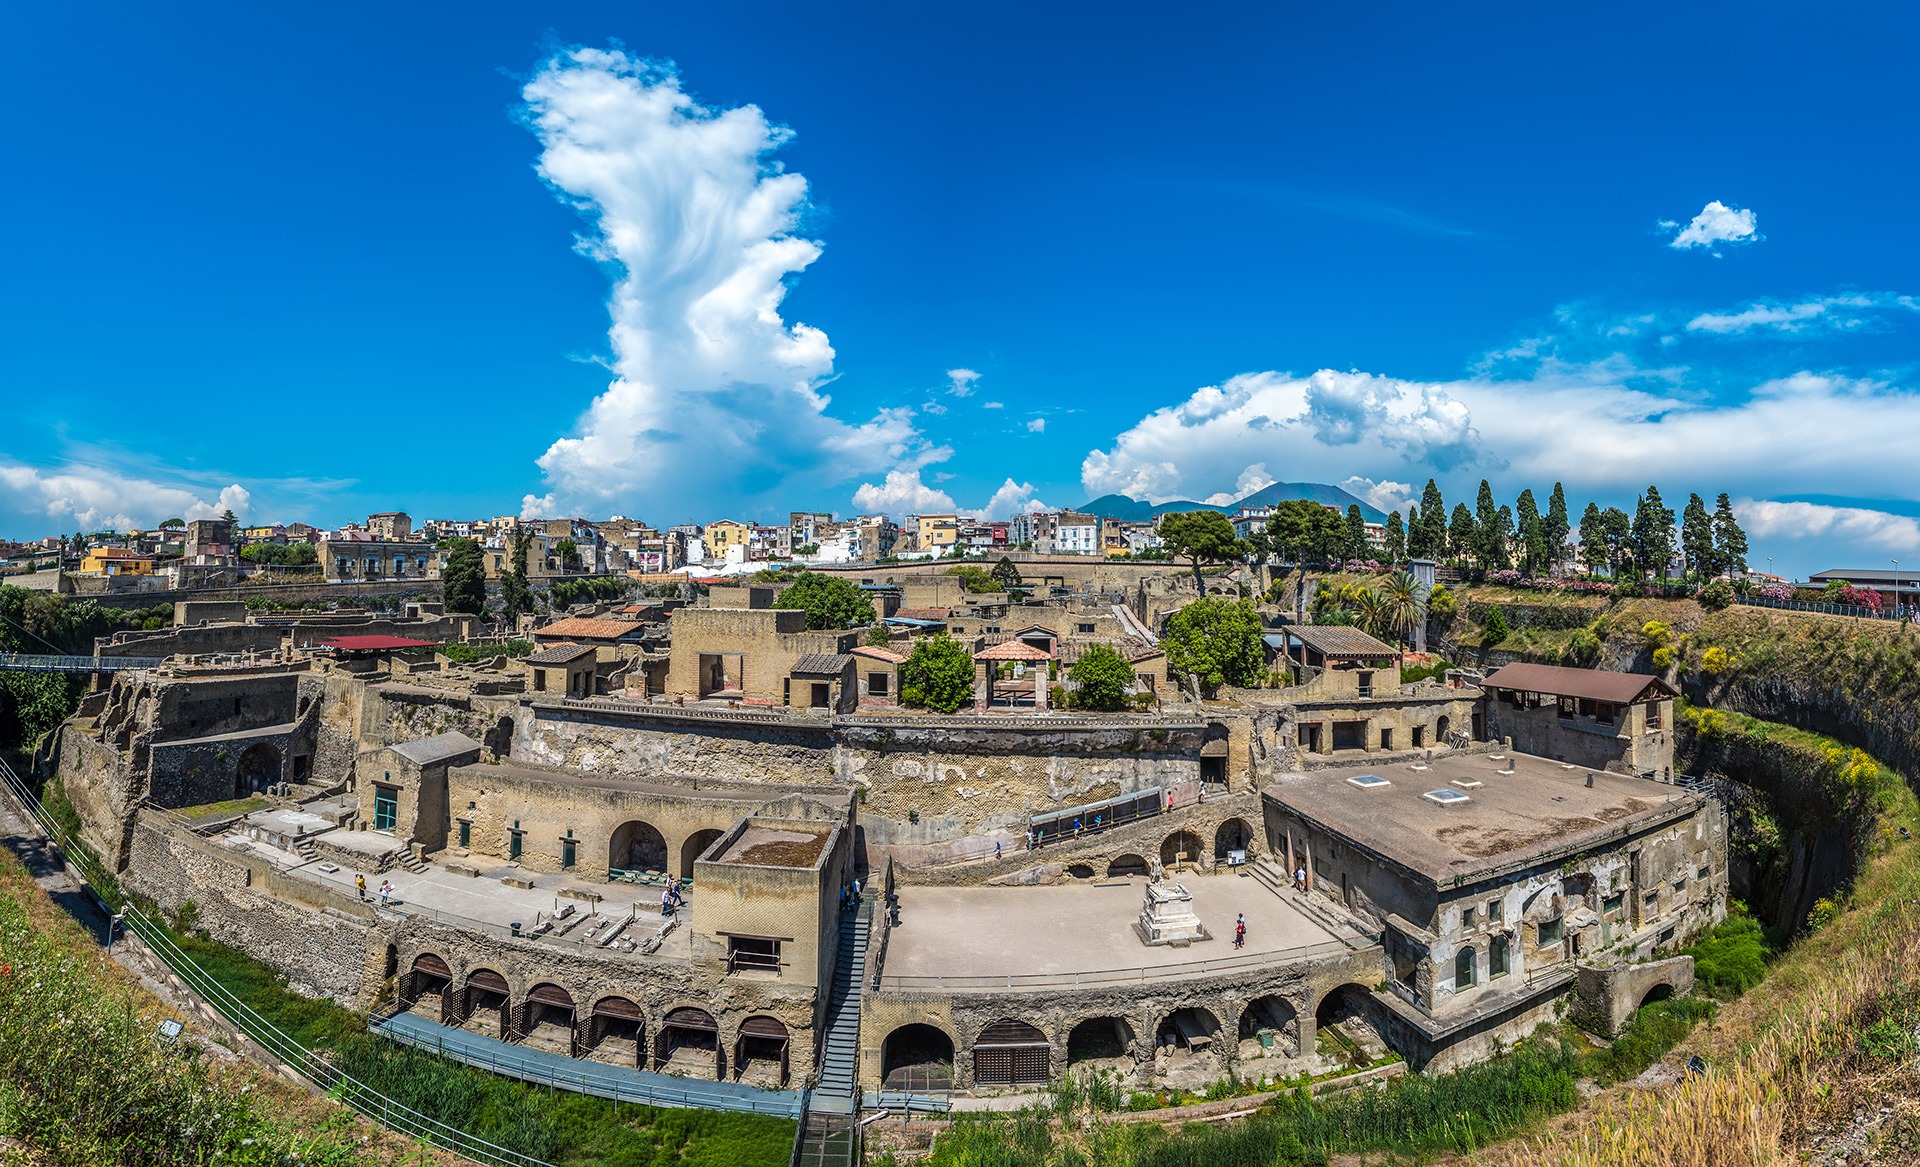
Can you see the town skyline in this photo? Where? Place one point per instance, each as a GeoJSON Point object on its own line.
{"type": "Point", "coordinates": [831, 324]}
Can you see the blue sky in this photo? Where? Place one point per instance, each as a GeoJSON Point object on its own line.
{"type": "Point", "coordinates": [317, 262]}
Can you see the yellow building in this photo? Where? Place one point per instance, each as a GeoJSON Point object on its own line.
{"type": "Point", "coordinates": [116, 561]}
{"type": "Point", "coordinates": [725, 534]}
{"type": "Point", "coordinates": [939, 532]}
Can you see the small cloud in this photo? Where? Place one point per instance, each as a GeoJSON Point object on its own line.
{"type": "Point", "coordinates": [960, 382]}
{"type": "Point", "coordinates": [1037, 426]}
{"type": "Point", "coordinates": [1011, 499]}
{"type": "Point", "coordinates": [1822, 314]}
{"type": "Point", "coordinates": [1716, 224]}
{"type": "Point", "coordinates": [933, 407]}
{"type": "Point", "coordinates": [991, 405]}
{"type": "Point", "coordinates": [902, 493]}
{"type": "Point", "coordinates": [1386, 495]}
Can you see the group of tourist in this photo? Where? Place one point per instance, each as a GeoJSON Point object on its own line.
{"type": "Point", "coordinates": [386, 889]}
{"type": "Point", "coordinates": [672, 899]}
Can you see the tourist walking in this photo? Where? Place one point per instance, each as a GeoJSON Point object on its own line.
{"type": "Point", "coordinates": [1240, 932]}
{"type": "Point", "coordinates": [386, 892]}
{"type": "Point", "coordinates": [360, 885]}
{"type": "Point", "coordinates": [666, 902]}
{"type": "Point", "coordinates": [1300, 879]}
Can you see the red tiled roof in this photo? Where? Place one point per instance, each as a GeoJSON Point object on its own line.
{"type": "Point", "coordinates": [878, 653]}
{"type": "Point", "coordinates": [585, 628]}
{"type": "Point", "coordinates": [375, 643]}
{"type": "Point", "coordinates": [924, 613]}
{"type": "Point", "coordinates": [1013, 650]}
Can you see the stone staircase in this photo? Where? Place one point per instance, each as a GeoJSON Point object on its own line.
{"type": "Point", "coordinates": [835, 1092]}
{"type": "Point", "coordinates": [411, 862]}
{"type": "Point", "coordinates": [1348, 928]}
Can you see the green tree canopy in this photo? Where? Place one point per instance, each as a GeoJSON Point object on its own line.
{"type": "Point", "coordinates": [1593, 538]}
{"type": "Point", "coordinates": [515, 594]}
{"type": "Point", "coordinates": [1199, 536]}
{"type": "Point", "coordinates": [1216, 642]}
{"type": "Point", "coordinates": [1696, 538]}
{"type": "Point", "coordinates": [165, 524]}
{"type": "Point", "coordinates": [1354, 544]}
{"type": "Point", "coordinates": [1460, 532]}
{"type": "Point", "coordinates": [1729, 541]}
{"type": "Point", "coordinates": [828, 600]}
{"type": "Point", "coordinates": [1533, 534]}
{"type": "Point", "coordinates": [1396, 539]}
{"type": "Point", "coordinates": [463, 581]}
{"type": "Point", "coordinates": [1101, 678]}
{"type": "Point", "coordinates": [1429, 540]}
{"type": "Point", "coordinates": [1007, 574]}
{"type": "Point", "coordinates": [1555, 527]}
{"type": "Point", "coordinates": [1652, 534]}
{"type": "Point", "coordinates": [280, 554]}
{"type": "Point", "coordinates": [976, 579]}
{"type": "Point", "coordinates": [938, 674]}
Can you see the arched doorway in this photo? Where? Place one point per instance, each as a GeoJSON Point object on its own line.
{"type": "Point", "coordinates": [483, 1005]}
{"type": "Point", "coordinates": [1079, 871]}
{"type": "Point", "coordinates": [1182, 848]}
{"type": "Point", "coordinates": [1233, 835]}
{"type": "Point", "coordinates": [425, 984]}
{"type": "Point", "coordinates": [1011, 1053]}
{"type": "Point", "coordinates": [1104, 1041]}
{"type": "Point", "coordinates": [1346, 1028]}
{"type": "Point", "coordinates": [499, 739]}
{"type": "Point", "coordinates": [637, 846]}
{"type": "Point", "coordinates": [259, 768]}
{"type": "Point", "coordinates": [917, 1057]}
{"type": "Point", "coordinates": [1124, 865]}
{"type": "Point", "coordinates": [689, 1043]}
{"type": "Point", "coordinates": [695, 846]}
{"type": "Point", "coordinates": [1269, 1028]}
{"type": "Point", "coordinates": [1441, 728]}
{"type": "Point", "coordinates": [760, 1053]}
{"type": "Point", "coordinates": [1185, 1038]}
{"type": "Point", "coordinates": [1660, 992]}
{"type": "Point", "coordinates": [617, 1032]}
{"type": "Point", "coordinates": [546, 1020]}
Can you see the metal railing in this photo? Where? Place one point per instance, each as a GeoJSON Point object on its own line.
{"type": "Point", "coordinates": [18, 662]}
{"type": "Point", "coordinates": [294, 1057]}
{"type": "Point", "coordinates": [605, 1083]}
{"type": "Point", "coordinates": [1890, 612]}
{"type": "Point", "coordinates": [1021, 982]}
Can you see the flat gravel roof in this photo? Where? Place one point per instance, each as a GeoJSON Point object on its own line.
{"type": "Point", "coordinates": [1542, 806]}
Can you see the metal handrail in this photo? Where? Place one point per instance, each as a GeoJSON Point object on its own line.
{"type": "Point", "coordinates": [297, 1058]}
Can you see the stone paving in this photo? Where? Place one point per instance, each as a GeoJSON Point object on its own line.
{"type": "Point", "coordinates": [959, 932]}
{"type": "Point", "coordinates": [484, 899]}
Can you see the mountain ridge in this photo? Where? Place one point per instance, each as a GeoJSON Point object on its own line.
{"type": "Point", "coordinates": [1135, 510]}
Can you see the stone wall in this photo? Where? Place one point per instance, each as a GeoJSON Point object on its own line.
{"type": "Point", "coordinates": [318, 938]}
{"type": "Point", "coordinates": [1302, 986]}
{"type": "Point", "coordinates": [1607, 995]}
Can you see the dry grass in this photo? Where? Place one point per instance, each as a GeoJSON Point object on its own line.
{"type": "Point", "coordinates": [1786, 1058]}
{"type": "Point", "coordinates": [323, 1130]}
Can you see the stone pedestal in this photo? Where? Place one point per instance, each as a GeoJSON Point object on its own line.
{"type": "Point", "coordinates": [1167, 917]}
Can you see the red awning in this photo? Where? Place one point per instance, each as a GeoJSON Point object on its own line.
{"type": "Point", "coordinates": [375, 643]}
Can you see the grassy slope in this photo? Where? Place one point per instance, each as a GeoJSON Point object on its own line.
{"type": "Point", "coordinates": [53, 1096]}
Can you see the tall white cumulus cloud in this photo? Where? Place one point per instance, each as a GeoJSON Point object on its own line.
{"type": "Point", "coordinates": [716, 398]}
{"type": "Point", "coordinates": [1715, 226]}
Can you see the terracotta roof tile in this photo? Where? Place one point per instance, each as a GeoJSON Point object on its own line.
{"type": "Point", "coordinates": [1591, 684]}
{"type": "Point", "coordinates": [585, 628]}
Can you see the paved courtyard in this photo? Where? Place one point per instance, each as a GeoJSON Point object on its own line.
{"type": "Point", "coordinates": [485, 900]}
{"type": "Point", "coordinates": [1083, 928]}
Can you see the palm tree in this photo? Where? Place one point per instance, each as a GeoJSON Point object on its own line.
{"type": "Point", "coordinates": [1400, 597]}
{"type": "Point", "coordinates": [1370, 611]}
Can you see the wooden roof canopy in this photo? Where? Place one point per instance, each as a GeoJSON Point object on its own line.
{"type": "Point", "coordinates": [1587, 684]}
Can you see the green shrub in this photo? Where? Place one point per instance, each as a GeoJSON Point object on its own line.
{"type": "Point", "coordinates": [1493, 627]}
{"type": "Point", "coordinates": [1732, 958]}
{"type": "Point", "coordinates": [1653, 1030]}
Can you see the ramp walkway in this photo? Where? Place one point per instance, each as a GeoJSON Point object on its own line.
{"type": "Point", "coordinates": [579, 1075]}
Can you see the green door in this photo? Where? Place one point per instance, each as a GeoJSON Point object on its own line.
{"type": "Point", "coordinates": [386, 808]}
